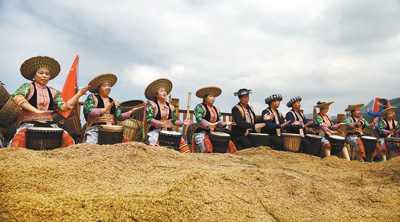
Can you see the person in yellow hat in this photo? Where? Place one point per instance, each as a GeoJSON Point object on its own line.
{"type": "Point", "coordinates": [325, 128]}
{"type": "Point", "coordinates": [38, 101]}
{"type": "Point", "coordinates": [160, 114]}
{"type": "Point", "coordinates": [208, 117]}
{"type": "Point", "coordinates": [355, 124]}
{"type": "Point", "coordinates": [388, 127]}
{"type": "Point", "coordinates": [101, 109]}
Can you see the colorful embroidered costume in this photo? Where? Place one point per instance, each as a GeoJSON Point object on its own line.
{"type": "Point", "coordinates": [385, 128]}
{"type": "Point", "coordinates": [157, 112]}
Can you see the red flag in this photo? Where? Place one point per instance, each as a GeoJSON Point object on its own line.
{"type": "Point", "coordinates": [71, 83]}
{"type": "Point", "coordinates": [376, 107]}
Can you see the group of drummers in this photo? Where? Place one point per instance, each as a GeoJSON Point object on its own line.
{"type": "Point", "coordinates": [38, 101]}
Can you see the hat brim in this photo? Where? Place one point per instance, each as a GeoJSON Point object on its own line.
{"type": "Point", "coordinates": [31, 66]}
{"type": "Point", "coordinates": [153, 87]}
{"type": "Point", "coordinates": [209, 90]}
{"type": "Point", "coordinates": [388, 110]}
{"type": "Point", "coordinates": [354, 107]}
{"type": "Point", "coordinates": [324, 105]}
{"type": "Point", "coordinates": [100, 79]}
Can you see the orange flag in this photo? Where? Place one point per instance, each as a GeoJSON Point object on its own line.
{"type": "Point", "coordinates": [71, 83]}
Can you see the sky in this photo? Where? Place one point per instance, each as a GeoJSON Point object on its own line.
{"type": "Point", "coordinates": [329, 50]}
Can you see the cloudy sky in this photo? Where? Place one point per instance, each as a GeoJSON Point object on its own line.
{"type": "Point", "coordinates": [345, 51]}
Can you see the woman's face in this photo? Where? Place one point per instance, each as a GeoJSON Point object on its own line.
{"type": "Point", "coordinates": [296, 105]}
{"type": "Point", "coordinates": [42, 76]}
{"type": "Point", "coordinates": [275, 103]}
{"type": "Point", "coordinates": [105, 89]}
{"type": "Point", "coordinates": [390, 115]}
{"type": "Point", "coordinates": [210, 99]}
{"type": "Point", "coordinates": [324, 110]}
{"type": "Point", "coordinates": [245, 99]}
{"type": "Point", "coordinates": [357, 113]}
{"type": "Point", "coordinates": [161, 94]}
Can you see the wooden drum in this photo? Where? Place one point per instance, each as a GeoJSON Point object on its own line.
{"type": "Point", "coordinates": [337, 143]}
{"type": "Point", "coordinates": [130, 104]}
{"type": "Point", "coordinates": [170, 139]}
{"type": "Point", "coordinates": [369, 143]}
{"type": "Point", "coordinates": [259, 139]}
{"type": "Point", "coordinates": [315, 144]}
{"type": "Point", "coordinates": [110, 134]}
{"type": "Point", "coordinates": [220, 141]}
{"type": "Point", "coordinates": [43, 138]}
{"type": "Point", "coordinates": [132, 129]}
{"type": "Point", "coordinates": [291, 141]}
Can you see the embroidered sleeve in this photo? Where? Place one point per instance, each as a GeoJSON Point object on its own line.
{"type": "Point", "coordinates": [89, 107]}
{"type": "Point", "coordinates": [121, 116]}
{"type": "Point", "coordinates": [349, 123]}
{"type": "Point", "coordinates": [150, 114]}
{"type": "Point", "coordinates": [198, 113]}
{"type": "Point", "coordinates": [21, 94]}
{"type": "Point", "coordinates": [221, 124]}
{"type": "Point", "coordinates": [382, 127]}
{"type": "Point", "coordinates": [59, 102]}
{"type": "Point", "coordinates": [175, 118]}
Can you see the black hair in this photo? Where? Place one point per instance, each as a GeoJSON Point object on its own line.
{"type": "Point", "coordinates": [383, 101]}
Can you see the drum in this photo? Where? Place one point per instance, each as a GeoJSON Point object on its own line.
{"type": "Point", "coordinates": [9, 113]}
{"type": "Point", "coordinates": [392, 143]}
{"type": "Point", "coordinates": [337, 143]}
{"type": "Point", "coordinates": [110, 134]}
{"type": "Point", "coordinates": [170, 139]}
{"type": "Point", "coordinates": [189, 132]}
{"type": "Point", "coordinates": [43, 138]}
{"type": "Point", "coordinates": [132, 129]}
{"type": "Point", "coordinates": [130, 104]}
{"type": "Point", "coordinates": [4, 95]}
{"type": "Point", "coordinates": [291, 141]}
{"type": "Point", "coordinates": [369, 143]}
{"type": "Point", "coordinates": [259, 139]}
{"type": "Point", "coordinates": [315, 144]}
{"type": "Point", "coordinates": [220, 141]}
{"type": "Point", "coordinates": [72, 124]}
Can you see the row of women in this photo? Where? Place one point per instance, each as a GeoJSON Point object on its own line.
{"type": "Point", "coordinates": [38, 102]}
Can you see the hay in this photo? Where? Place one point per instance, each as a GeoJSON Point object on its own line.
{"type": "Point", "coordinates": [136, 182]}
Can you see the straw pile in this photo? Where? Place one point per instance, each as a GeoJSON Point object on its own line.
{"type": "Point", "coordinates": [136, 182]}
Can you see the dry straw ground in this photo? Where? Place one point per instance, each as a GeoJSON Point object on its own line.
{"type": "Point", "coordinates": [135, 182]}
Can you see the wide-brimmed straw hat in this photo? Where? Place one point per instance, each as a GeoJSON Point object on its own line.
{"type": "Point", "coordinates": [354, 107]}
{"type": "Point", "coordinates": [324, 104]}
{"type": "Point", "coordinates": [153, 87]}
{"type": "Point", "coordinates": [388, 110]}
{"type": "Point", "coordinates": [100, 79]}
{"type": "Point", "coordinates": [209, 90]}
{"type": "Point", "coordinates": [242, 92]}
{"type": "Point", "coordinates": [274, 97]}
{"type": "Point", "coordinates": [293, 100]}
{"type": "Point", "coordinates": [32, 65]}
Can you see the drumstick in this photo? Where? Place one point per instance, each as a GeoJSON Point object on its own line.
{"type": "Point", "coordinates": [188, 105]}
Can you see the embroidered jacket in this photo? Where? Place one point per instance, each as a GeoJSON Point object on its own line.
{"type": "Point", "coordinates": [94, 103]}
{"type": "Point", "coordinates": [385, 126]}
{"type": "Point", "coordinates": [293, 116]}
{"type": "Point", "coordinates": [42, 98]}
{"type": "Point", "coordinates": [327, 120]}
{"type": "Point", "coordinates": [353, 128]}
{"type": "Point", "coordinates": [155, 113]}
{"type": "Point", "coordinates": [205, 115]}
{"type": "Point", "coordinates": [245, 120]}
{"type": "Point", "coordinates": [273, 126]}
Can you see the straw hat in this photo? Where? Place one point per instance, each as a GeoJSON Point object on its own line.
{"type": "Point", "coordinates": [387, 110]}
{"type": "Point", "coordinates": [274, 97]}
{"type": "Point", "coordinates": [153, 87]}
{"type": "Point", "coordinates": [354, 107]}
{"type": "Point", "coordinates": [32, 65]}
{"type": "Point", "coordinates": [324, 105]}
{"type": "Point", "coordinates": [293, 100]}
{"type": "Point", "coordinates": [209, 90]}
{"type": "Point", "coordinates": [242, 92]}
{"type": "Point", "coordinates": [100, 79]}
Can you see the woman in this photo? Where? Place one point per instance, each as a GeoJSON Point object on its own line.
{"type": "Point", "coordinates": [388, 127]}
{"type": "Point", "coordinates": [354, 125]}
{"type": "Point", "coordinates": [160, 114]}
{"type": "Point", "coordinates": [208, 117]}
{"type": "Point", "coordinates": [100, 109]}
{"type": "Point", "coordinates": [325, 127]}
{"type": "Point", "coordinates": [38, 101]}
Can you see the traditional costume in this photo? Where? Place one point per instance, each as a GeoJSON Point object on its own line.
{"type": "Point", "coordinates": [245, 120]}
{"type": "Point", "coordinates": [319, 119]}
{"type": "Point", "coordinates": [273, 126]}
{"type": "Point", "coordinates": [205, 115]}
{"type": "Point", "coordinates": [41, 97]}
{"type": "Point", "coordinates": [384, 129]}
{"type": "Point", "coordinates": [157, 112]}
{"type": "Point", "coordinates": [93, 105]}
{"type": "Point", "coordinates": [354, 132]}
{"type": "Point", "coordinates": [293, 116]}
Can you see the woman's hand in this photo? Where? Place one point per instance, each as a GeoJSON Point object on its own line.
{"type": "Point", "coordinates": [135, 109]}
{"type": "Point", "coordinates": [82, 91]}
{"type": "Point", "coordinates": [167, 123]}
{"type": "Point", "coordinates": [284, 124]}
{"type": "Point", "coordinates": [259, 125]}
{"type": "Point", "coordinates": [268, 116]}
{"type": "Point", "coordinates": [42, 112]}
{"type": "Point", "coordinates": [307, 124]}
{"type": "Point", "coordinates": [229, 124]}
{"type": "Point", "coordinates": [187, 122]}
{"type": "Point", "coordinates": [296, 123]}
{"type": "Point", "coordinates": [107, 108]}
{"type": "Point", "coordinates": [213, 125]}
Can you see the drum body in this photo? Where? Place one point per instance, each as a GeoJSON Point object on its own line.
{"type": "Point", "coordinates": [219, 141]}
{"type": "Point", "coordinates": [72, 124]}
{"type": "Point", "coordinates": [9, 113]}
{"type": "Point", "coordinates": [337, 143]}
{"type": "Point", "coordinates": [369, 143]}
{"type": "Point", "coordinates": [130, 104]}
{"type": "Point", "coordinates": [170, 139]}
{"type": "Point", "coordinates": [110, 134]}
{"type": "Point", "coordinates": [259, 139]}
{"type": "Point", "coordinates": [132, 129]}
{"type": "Point", "coordinates": [43, 138]}
{"type": "Point", "coordinates": [315, 144]}
{"type": "Point", "coordinates": [291, 141]}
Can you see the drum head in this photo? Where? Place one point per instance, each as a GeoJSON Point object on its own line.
{"type": "Point", "coordinates": [291, 134]}
{"type": "Point", "coordinates": [46, 129]}
{"type": "Point", "coordinates": [368, 137]}
{"type": "Point", "coordinates": [111, 128]}
{"type": "Point", "coordinates": [336, 137]}
{"type": "Point", "coordinates": [313, 136]}
{"type": "Point", "coordinates": [171, 133]}
{"type": "Point", "coordinates": [258, 134]}
{"type": "Point", "coordinates": [220, 134]}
